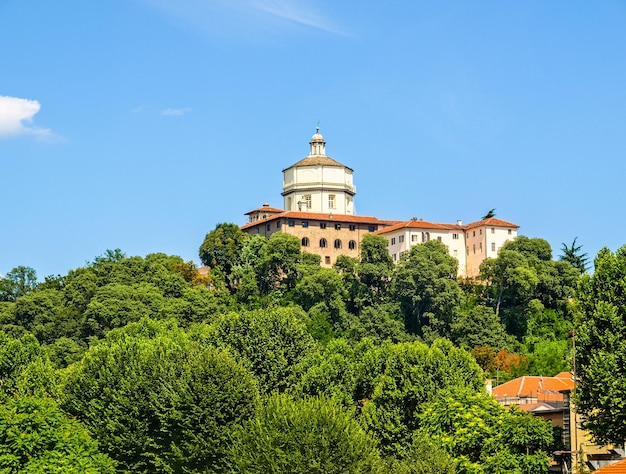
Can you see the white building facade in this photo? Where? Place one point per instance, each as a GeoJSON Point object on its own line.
{"type": "Point", "coordinates": [318, 183]}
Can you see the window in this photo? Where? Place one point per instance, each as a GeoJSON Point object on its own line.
{"type": "Point", "coordinates": [394, 257]}
{"type": "Point", "coordinates": [371, 228]}
{"type": "Point", "coordinates": [425, 236]}
{"type": "Point", "coordinates": [473, 233]}
{"type": "Point", "coordinates": [493, 246]}
{"type": "Point", "coordinates": [327, 260]}
{"type": "Point", "coordinates": [268, 226]}
{"type": "Point", "coordinates": [401, 239]}
{"type": "Point", "coordinates": [352, 227]}
{"type": "Point", "coordinates": [455, 236]}
{"type": "Point", "coordinates": [307, 201]}
{"type": "Point", "coordinates": [474, 248]}
{"type": "Point", "coordinates": [352, 245]}
{"type": "Point", "coordinates": [393, 241]}
{"type": "Point", "coordinates": [323, 243]}
{"type": "Point", "coordinates": [257, 230]}
{"type": "Point", "coordinates": [305, 223]}
{"type": "Point", "coordinates": [337, 226]}
{"type": "Point", "coordinates": [337, 243]}
{"type": "Point", "coordinates": [331, 201]}
{"type": "Point", "coordinates": [322, 225]}
{"type": "Point", "coordinates": [414, 238]}
{"type": "Point", "coordinates": [481, 247]}
{"type": "Point", "coordinates": [480, 232]}
{"type": "Point", "coordinates": [467, 250]}
{"type": "Point", "coordinates": [439, 238]}
{"type": "Point", "coordinates": [467, 235]}
{"type": "Point", "coordinates": [493, 231]}
{"type": "Point", "coordinates": [509, 230]}
{"type": "Point", "coordinates": [456, 253]}
{"type": "Point", "coordinates": [305, 241]}
{"type": "Point", "coordinates": [278, 224]}
{"type": "Point", "coordinates": [292, 223]}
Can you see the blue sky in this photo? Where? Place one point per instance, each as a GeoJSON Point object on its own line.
{"type": "Point", "coordinates": [141, 124]}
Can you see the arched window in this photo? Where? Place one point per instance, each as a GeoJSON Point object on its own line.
{"type": "Point", "coordinates": [323, 243]}
{"type": "Point", "coordinates": [337, 244]}
{"type": "Point", "coordinates": [305, 241]}
{"type": "Point", "coordinates": [352, 245]}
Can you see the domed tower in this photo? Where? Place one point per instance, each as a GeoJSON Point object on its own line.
{"type": "Point", "coordinates": [318, 183]}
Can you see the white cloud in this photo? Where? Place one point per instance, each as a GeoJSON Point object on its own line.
{"type": "Point", "coordinates": [16, 117]}
{"type": "Point", "coordinates": [176, 112]}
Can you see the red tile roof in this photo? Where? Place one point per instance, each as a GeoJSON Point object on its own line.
{"type": "Point", "coordinates": [264, 208]}
{"type": "Point", "coordinates": [420, 224]}
{"type": "Point", "coordinates": [320, 217]}
{"type": "Point", "coordinates": [530, 386]}
{"type": "Point", "coordinates": [618, 467]}
{"type": "Point", "coordinates": [491, 222]}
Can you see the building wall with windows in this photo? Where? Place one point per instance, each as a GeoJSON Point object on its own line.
{"type": "Point", "coordinates": [470, 244]}
{"type": "Point", "coordinates": [326, 235]}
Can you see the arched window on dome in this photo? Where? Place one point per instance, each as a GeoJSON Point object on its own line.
{"type": "Point", "coordinates": [305, 241]}
{"type": "Point", "coordinates": [352, 245]}
{"type": "Point", "coordinates": [323, 243]}
{"type": "Point", "coordinates": [337, 243]}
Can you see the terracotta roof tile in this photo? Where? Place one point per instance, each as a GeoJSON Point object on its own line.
{"type": "Point", "coordinates": [316, 216]}
{"type": "Point", "coordinates": [266, 208]}
{"type": "Point", "coordinates": [493, 222]}
{"type": "Point", "coordinates": [530, 386]}
{"type": "Point", "coordinates": [420, 224]}
{"type": "Point", "coordinates": [618, 467]}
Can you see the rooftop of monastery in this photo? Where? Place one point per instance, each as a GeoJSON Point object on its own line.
{"type": "Point", "coordinates": [422, 224]}
{"type": "Point", "coordinates": [319, 216]}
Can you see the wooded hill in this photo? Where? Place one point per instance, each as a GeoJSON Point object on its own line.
{"type": "Point", "coordinates": [267, 362]}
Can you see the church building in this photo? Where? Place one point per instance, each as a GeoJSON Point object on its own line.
{"type": "Point", "coordinates": [319, 209]}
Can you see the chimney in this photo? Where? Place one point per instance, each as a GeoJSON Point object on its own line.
{"type": "Point", "coordinates": [459, 222]}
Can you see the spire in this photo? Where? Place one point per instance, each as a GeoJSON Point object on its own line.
{"type": "Point", "coordinates": [318, 145]}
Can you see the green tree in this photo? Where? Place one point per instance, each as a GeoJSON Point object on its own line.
{"type": "Point", "coordinates": [573, 255]}
{"type": "Point", "coordinates": [278, 263]}
{"type": "Point", "coordinates": [483, 436]}
{"type": "Point", "coordinates": [222, 247]}
{"type": "Point", "coordinates": [600, 348]}
{"type": "Point", "coordinates": [376, 267]}
{"type": "Point", "coordinates": [159, 401]}
{"type": "Point", "coordinates": [309, 436]}
{"type": "Point", "coordinates": [18, 282]}
{"type": "Point", "coordinates": [24, 368]}
{"type": "Point", "coordinates": [425, 285]}
{"type": "Point", "coordinates": [410, 375]}
{"type": "Point", "coordinates": [479, 326]}
{"type": "Point", "coordinates": [422, 456]}
{"type": "Point", "coordinates": [270, 342]}
{"type": "Point", "coordinates": [37, 437]}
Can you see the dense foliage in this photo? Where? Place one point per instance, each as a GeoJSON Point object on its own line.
{"type": "Point", "coordinates": [264, 361]}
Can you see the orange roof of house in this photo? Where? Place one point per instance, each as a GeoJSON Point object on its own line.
{"type": "Point", "coordinates": [420, 224]}
{"type": "Point", "coordinates": [618, 467]}
{"type": "Point", "coordinates": [321, 216]}
{"type": "Point", "coordinates": [530, 386]}
{"type": "Point", "coordinates": [491, 221]}
{"type": "Point", "coordinates": [266, 208]}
